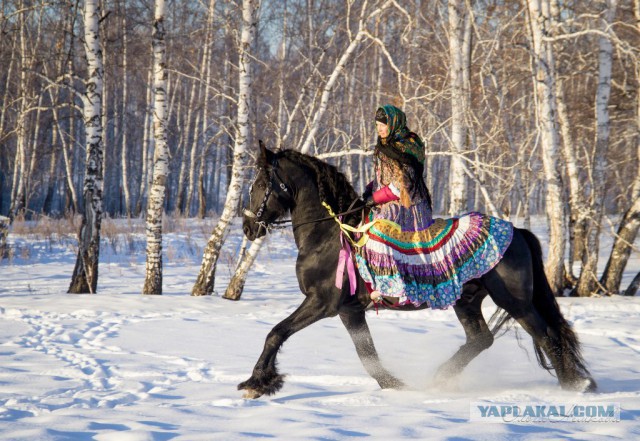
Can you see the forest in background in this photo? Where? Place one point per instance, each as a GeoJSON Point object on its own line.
{"type": "Point", "coordinates": [526, 107]}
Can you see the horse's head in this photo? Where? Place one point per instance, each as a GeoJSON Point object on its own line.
{"type": "Point", "coordinates": [267, 196]}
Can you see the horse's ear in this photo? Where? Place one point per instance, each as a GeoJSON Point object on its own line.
{"type": "Point", "coordinates": [266, 156]}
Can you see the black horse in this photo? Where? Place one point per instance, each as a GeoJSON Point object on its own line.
{"type": "Point", "coordinates": [290, 182]}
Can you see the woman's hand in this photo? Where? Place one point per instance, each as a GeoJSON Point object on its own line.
{"type": "Point", "coordinates": [369, 202]}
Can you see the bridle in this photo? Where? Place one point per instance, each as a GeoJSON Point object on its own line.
{"type": "Point", "coordinates": [275, 182]}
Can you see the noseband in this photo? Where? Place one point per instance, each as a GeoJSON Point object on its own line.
{"type": "Point", "coordinates": [274, 182]}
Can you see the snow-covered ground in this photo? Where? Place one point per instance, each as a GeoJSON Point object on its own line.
{"type": "Point", "coordinates": [122, 366]}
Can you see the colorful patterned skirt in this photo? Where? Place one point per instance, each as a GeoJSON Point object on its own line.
{"type": "Point", "coordinates": [422, 260]}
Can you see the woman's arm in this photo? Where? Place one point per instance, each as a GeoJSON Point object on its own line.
{"type": "Point", "coordinates": [387, 193]}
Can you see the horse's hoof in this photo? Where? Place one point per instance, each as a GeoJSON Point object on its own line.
{"type": "Point", "coordinates": [393, 383]}
{"type": "Point", "coordinates": [586, 385]}
{"type": "Point", "coordinates": [449, 383]}
{"type": "Point", "coordinates": [251, 394]}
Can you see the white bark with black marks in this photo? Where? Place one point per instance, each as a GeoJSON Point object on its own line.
{"type": "Point", "coordinates": [155, 205]}
{"type": "Point", "coordinates": [544, 87]}
{"type": "Point", "coordinates": [206, 278]}
{"type": "Point", "coordinates": [459, 53]}
{"type": "Point", "coordinates": [588, 281]}
{"type": "Point", "coordinates": [85, 274]}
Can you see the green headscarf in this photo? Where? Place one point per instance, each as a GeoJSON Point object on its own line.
{"type": "Point", "coordinates": [401, 138]}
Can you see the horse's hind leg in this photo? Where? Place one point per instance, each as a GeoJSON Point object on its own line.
{"type": "Point", "coordinates": [479, 337]}
{"type": "Point", "coordinates": [548, 342]}
{"type": "Point", "coordinates": [356, 324]}
{"type": "Point", "coordinates": [519, 286]}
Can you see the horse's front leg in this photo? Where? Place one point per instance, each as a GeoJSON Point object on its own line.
{"type": "Point", "coordinates": [265, 379]}
{"type": "Point", "coordinates": [356, 324]}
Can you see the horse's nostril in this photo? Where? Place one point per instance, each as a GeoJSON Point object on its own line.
{"type": "Point", "coordinates": [247, 231]}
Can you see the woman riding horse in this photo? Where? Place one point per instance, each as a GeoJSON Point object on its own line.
{"type": "Point", "coordinates": [289, 182]}
{"type": "Point", "coordinates": [408, 255]}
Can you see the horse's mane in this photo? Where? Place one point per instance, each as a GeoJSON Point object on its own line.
{"type": "Point", "coordinates": [333, 186]}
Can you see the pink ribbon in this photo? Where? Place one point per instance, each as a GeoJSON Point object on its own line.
{"type": "Point", "coordinates": [345, 259]}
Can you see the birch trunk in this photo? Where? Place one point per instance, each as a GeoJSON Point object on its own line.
{"type": "Point", "coordinates": [225, 142]}
{"type": "Point", "coordinates": [202, 200]}
{"type": "Point", "coordinates": [109, 166]}
{"type": "Point", "coordinates": [577, 209]}
{"type": "Point", "coordinates": [146, 147]}
{"type": "Point", "coordinates": [544, 80]}
{"type": "Point", "coordinates": [123, 126]}
{"type": "Point", "coordinates": [74, 202]}
{"type": "Point", "coordinates": [458, 53]}
{"type": "Point", "coordinates": [7, 89]}
{"type": "Point", "coordinates": [19, 173]}
{"type": "Point", "coordinates": [155, 206]}
{"type": "Point", "coordinates": [206, 278]}
{"type": "Point", "coordinates": [51, 180]}
{"type": "Point", "coordinates": [85, 274]}
{"type": "Point", "coordinates": [513, 148]}
{"type": "Point", "coordinates": [245, 260]}
{"type": "Point", "coordinates": [30, 185]}
{"type": "Point", "coordinates": [189, 134]}
{"type": "Point", "coordinates": [68, 141]}
{"type": "Point", "coordinates": [67, 148]}
{"type": "Point", "coordinates": [633, 287]}
{"type": "Point", "coordinates": [4, 232]}
{"type": "Point", "coordinates": [4, 105]}
{"type": "Point", "coordinates": [630, 223]}
{"type": "Point", "coordinates": [201, 121]}
{"type": "Point", "coordinates": [193, 153]}
{"type": "Point", "coordinates": [622, 246]}
{"type": "Point", "coordinates": [236, 285]}
{"type": "Point", "coordinates": [588, 281]}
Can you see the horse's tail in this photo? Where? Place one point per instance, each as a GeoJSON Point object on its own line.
{"type": "Point", "coordinates": [546, 305]}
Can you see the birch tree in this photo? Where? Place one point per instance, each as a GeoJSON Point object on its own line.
{"type": "Point", "coordinates": [587, 283]}
{"type": "Point", "coordinates": [459, 54]}
{"type": "Point", "coordinates": [544, 88]}
{"type": "Point", "coordinates": [146, 145]}
{"type": "Point", "coordinates": [19, 172]}
{"type": "Point", "coordinates": [577, 209]}
{"type": "Point", "coordinates": [623, 242]}
{"type": "Point", "coordinates": [155, 205]}
{"type": "Point", "coordinates": [126, 187]}
{"type": "Point", "coordinates": [245, 262]}
{"type": "Point", "coordinates": [630, 223]}
{"type": "Point", "coordinates": [85, 273]}
{"type": "Point", "coordinates": [206, 278]}
{"type": "Point", "coordinates": [206, 71]}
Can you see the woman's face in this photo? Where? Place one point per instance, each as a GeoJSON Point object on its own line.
{"type": "Point", "coordinates": [383, 129]}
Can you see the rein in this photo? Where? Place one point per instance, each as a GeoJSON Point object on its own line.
{"type": "Point", "coordinates": [283, 223]}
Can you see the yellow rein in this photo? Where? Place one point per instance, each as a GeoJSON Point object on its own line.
{"type": "Point", "coordinates": [346, 229]}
